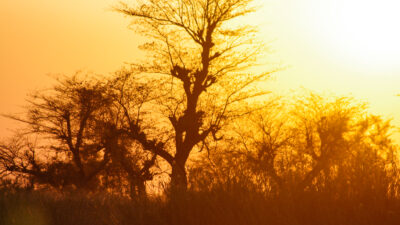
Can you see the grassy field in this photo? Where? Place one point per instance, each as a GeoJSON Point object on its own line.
{"type": "Point", "coordinates": [211, 208]}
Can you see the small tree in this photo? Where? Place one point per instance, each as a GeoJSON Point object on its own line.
{"type": "Point", "coordinates": [82, 144]}
{"type": "Point", "coordinates": [370, 169]}
{"type": "Point", "coordinates": [64, 119]}
{"type": "Point", "coordinates": [19, 164]}
{"type": "Point", "coordinates": [325, 129]}
{"type": "Point", "coordinates": [321, 144]}
{"type": "Point", "coordinates": [201, 57]}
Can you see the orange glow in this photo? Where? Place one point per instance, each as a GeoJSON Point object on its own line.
{"type": "Point", "coordinates": [329, 46]}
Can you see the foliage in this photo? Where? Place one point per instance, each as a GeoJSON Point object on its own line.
{"type": "Point", "coordinates": [318, 144]}
{"type": "Point", "coordinates": [200, 58]}
{"type": "Point", "coordinates": [80, 144]}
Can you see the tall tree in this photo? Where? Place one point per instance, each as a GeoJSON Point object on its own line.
{"type": "Point", "coordinates": [200, 55]}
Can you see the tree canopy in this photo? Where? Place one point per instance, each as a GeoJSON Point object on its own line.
{"type": "Point", "coordinates": [202, 57]}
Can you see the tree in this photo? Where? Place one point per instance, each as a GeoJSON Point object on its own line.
{"type": "Point", "coordinates": [319, 144]}
{"type": "Point", "coordinates": [325, 129]}
{"type": "Point", "coordinates": [64, 118]}
{"type": "Point", "coordinates": [19, 165]}
{"type": "Point", "coordinates": [128, 163]}
{"type": "Point", "coordinates": [370, 169]}
{"type": "Point", "coordinates": [200, 57]}
{"type": "Point", "coordinates": [132, 96]}
{"type": "Point", "coordinates": [77, 123]}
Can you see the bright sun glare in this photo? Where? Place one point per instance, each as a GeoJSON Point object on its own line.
{"type": "Point", "coordinates": [363, 31]}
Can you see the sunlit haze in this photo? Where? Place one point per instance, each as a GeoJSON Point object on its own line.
{"type": "Point", "coordinates": [332, 46]}
{"type": "Point", "coordinates": [239, 112]}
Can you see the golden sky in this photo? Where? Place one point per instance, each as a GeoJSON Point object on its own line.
{"type": "Point", "coordinates": [345, 47]}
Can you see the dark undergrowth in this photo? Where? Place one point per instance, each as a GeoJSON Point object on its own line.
{"type": "Point", "coordinates": [195, 208]}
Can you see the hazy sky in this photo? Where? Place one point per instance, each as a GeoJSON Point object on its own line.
{"type": "Point", "coordinates": [332, 46]}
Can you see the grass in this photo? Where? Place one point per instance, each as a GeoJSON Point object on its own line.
{"type": "Point", "coordinates": [194, 208]}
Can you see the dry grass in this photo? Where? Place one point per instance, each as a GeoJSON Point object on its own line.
{"type": "Point", "coordinates": [195, 208]}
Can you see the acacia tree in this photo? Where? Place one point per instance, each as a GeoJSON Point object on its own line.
{"type": "Point", "coordinates": [64, 118]}
{"type": "Point", "coordinates": [79, 124]}
{"type": "Point", "coordinates": [19, 165]}
{"type": "Point", "coordinates": [293, 149]}
{"type": "Point", "coordinates": [319, 144]}
{"type": "Point", "coordinates": [323, 143]}
{"type": "Point", "coordinates": [200, 57]}
{"type": "Point", "coordinates": [325, 129]}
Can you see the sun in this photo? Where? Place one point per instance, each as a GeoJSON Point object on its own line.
{"type": "Point", "coordinates": [364, 31]}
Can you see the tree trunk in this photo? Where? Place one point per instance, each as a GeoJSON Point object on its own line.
{"type": "Point", "coordinates": [178, 178]}
{"type": "Point", "coordinates": [138, 189]}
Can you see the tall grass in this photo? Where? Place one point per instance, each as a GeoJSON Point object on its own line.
{"type": "Point", "coordinates": [215, 207]}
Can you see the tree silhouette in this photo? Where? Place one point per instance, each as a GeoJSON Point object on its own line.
{"type": "Point", "coordinates": [316, 144]}
{"type": "Point", "coordinates": [66, 116]}
{"type": "Point", "coordinates": [200, 58]}
{"type": "Point", "coordinates": [19, 165]}
{"type": "Point", "coordinates": [370, 169]}
{"type": "Point", "coordinates": [319, 142]}
{"type": "Point", "coordinates": [326, 128]}
{"type": "Point", "coordinates": [79, 124]}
